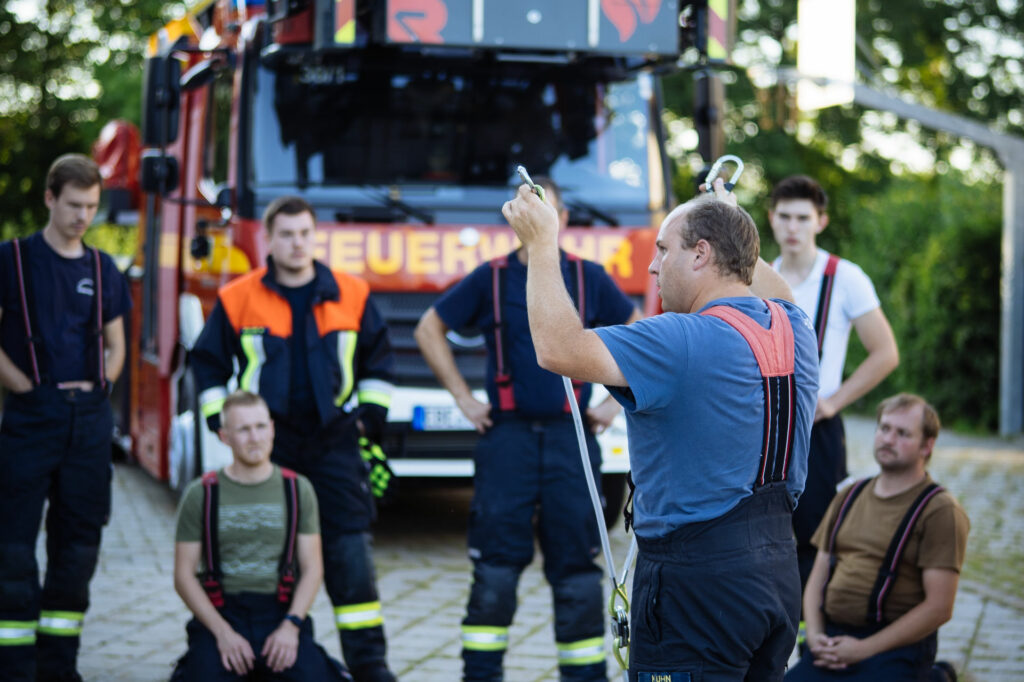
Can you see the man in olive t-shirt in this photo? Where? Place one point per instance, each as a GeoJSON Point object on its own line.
{"type": "Point", "coordinates": [251, 530]}
{"type": "Point", "coordinates": [867, 628]}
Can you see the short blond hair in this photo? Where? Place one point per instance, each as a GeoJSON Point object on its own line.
{"type": "Point", "coordinates": [240, 399]}
{"type": "Point", "coordinates": [930, 423]}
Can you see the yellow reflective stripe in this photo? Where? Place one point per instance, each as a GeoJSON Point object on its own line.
{"type": "Point", "coordinates": [484, 638]}
{"type": "Point", "coordinates": [346, 357]}
{"type": "Point", "coordinates": [61, 622]}
{"type": "Point", "coordinates": [583, 652]}
{"type": "Point", "coordinates": [255, 357]}
{"type": "Point", "coordinates": [211, 401]}
{"type": "Point", "coordinates": [358, 616]}
{"type": "Point", "coordinates": [376, 391]}
{"type": "Point", "coordinates": [17, 632]}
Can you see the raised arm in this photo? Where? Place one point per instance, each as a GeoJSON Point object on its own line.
{"type": "Point", "coordinates": [562, 344]}
{"type": "Point", "coordinates": [430, 335]}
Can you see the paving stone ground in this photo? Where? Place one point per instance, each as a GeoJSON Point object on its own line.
{"type": "Point", "coordinates": [135, 628]}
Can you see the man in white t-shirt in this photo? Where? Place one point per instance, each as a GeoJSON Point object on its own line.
{"type": "Point", "coordinates": [836, 295]}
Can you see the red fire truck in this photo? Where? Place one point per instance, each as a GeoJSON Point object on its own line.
{"type": "Point", "coordinates": [402, 123]}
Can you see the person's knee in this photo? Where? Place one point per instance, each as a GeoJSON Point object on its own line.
{"type": "Point", "coordinates": [69, 573]}
{"type": "Point", "coordinates": [18, 577]}
{"type": "Point", "coordinates": [578, 605]}
{"type": "Point", "coordinates": [493, 595]}
{"type": "Point", "coordinates": [348, 568]}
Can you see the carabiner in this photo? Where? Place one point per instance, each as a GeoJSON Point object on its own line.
{"type": "Point", "coordinates": [717, 168]}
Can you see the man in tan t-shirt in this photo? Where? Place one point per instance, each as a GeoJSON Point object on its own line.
{"type": "Point", "coordinates": [252, 529]}
{"type": "Point", "coordinates": [863, 623]}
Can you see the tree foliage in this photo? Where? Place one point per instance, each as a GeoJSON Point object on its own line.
{"type": "Point", "coordinates": [67, 70]}
{"type": "Point", "coordinates": [927, 233]}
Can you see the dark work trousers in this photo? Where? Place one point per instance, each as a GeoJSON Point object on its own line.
{"type": "Point", "coordinates": [526, 471]}
{"type": "Point", "coordinates": [255, 617]}
{"type": "Point", "coordinates": [718, 600]}
{"type": "Point", "coordinates": [911, 663]}
{"type": "Point", "coordinates": [54, 445]}
{"type": "Point", "coordinates": [329, 458]}
{"type": "Point", "coordinates": [826, 468]}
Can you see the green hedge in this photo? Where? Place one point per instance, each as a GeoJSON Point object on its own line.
{"type": "Point", "coordinates": [932, 248]}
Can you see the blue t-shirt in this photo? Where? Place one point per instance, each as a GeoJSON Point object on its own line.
{"type": "Point", "coordinates": [300, 387]}
{"type": "Point", "coordinates": [63, 291]}
{"type": "Point", "coordinates": [695, 412]}
{"type": "Point", "coordinates": [538, 392]}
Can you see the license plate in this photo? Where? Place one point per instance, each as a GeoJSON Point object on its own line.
{"type": "Point", "coordinates": [439, 418]}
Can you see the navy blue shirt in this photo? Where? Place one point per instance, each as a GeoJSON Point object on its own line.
{"type": "Point", "coordinates": [63, 290]}
{"type": "Point", "coordinates": [300, 388]}
{"type": "Point", "coordinates": [538, 392]}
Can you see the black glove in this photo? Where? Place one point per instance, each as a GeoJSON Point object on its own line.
{"type": "Point", "coordinates": [372, 417]}
{"type": "Point", "coordinates": [378, 472]}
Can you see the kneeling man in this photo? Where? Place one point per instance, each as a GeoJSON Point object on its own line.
{"type": "Point", "coordinates": [252, 531]}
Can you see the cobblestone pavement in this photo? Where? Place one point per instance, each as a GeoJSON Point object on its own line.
{"type": "Point", "coordinates": [135, 628]}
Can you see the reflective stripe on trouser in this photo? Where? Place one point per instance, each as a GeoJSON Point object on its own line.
{"type": "Point", "coordinates": [583, 652]}
{"type": "Point", "coordinates": [484, 638]}
{"type": "Point", "coordinates": [55, 447]}
{"type": "Point", "coordinates": [358, 616]}
{"type": "Point", "coordinates": [61, 623]}
{"type": "Point", "coordinates": [17, 632]}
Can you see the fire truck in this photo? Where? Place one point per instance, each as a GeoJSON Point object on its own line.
{"type": "Point", "coordinates": [401, 122]}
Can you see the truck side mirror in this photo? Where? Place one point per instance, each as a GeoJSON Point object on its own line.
{"type": "Point", "coordinates": [161, 102]}
{"type": "Point", "coordinates": [158, 172]}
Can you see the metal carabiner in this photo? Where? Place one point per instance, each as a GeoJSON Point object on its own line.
{"type": "Point", "coordinates": [717, 168]}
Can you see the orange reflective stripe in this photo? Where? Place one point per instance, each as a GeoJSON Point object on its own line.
{"type": "Point", "coordinates": [248, 303]}
{"type": "Point", "coordinates": [773, 347]}
{"type": "Point", "coordinates": [347, 312]}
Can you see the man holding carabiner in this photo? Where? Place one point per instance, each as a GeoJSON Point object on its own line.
{"type": "Point", "coordinates": [527, 461]}
{"type": "Point", "coordinates": [719, 394]}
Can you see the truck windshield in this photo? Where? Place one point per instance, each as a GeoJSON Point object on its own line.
{"type": "Point", "coordinates": [337, 125]}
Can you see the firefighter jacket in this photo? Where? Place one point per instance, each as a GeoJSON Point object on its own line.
{"type": "Point", "coordinates": [349, 354]}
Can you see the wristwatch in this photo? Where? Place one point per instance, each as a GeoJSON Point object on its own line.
{"type": "Point", "coordinates": [295, 620]}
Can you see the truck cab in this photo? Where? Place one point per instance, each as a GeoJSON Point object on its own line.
{"type": "Point", "coordinates": [401, 122]}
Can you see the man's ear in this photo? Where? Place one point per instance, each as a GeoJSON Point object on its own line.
{"type": "Point", "coordinates": [928, 445]}
{"type": "Point", "coordinates": [48, 198]}
{"type": "Point", "coordinates": [704, 254]}
{"type": "Point", "coordinates": [822, 223]}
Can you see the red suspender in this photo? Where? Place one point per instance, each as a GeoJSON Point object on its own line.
{"type": "Point", "coordinates": [99, 317]}
{"type": "Point", "coordinates": [211, 575]}
{"type": "Point", "coordinates": [23, 293]}
{"type": "Point", "coordinates": [211, 547]}
{"type": "Point", "coordinates": [825, 300]}
{"type": "Point", "coordinates": [24, 311]}
{"type": "Point", "coordinates": [889, 568]}
{"type": "Point", "coordinates": [503, 373]}
{"type": "Point", "coordinates": [773, 349]}
{"type": "Point", "coordinates": [286, 570]}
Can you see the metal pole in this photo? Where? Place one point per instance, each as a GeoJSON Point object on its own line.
{"type": "Point", "coordinates": [1011, 356]}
